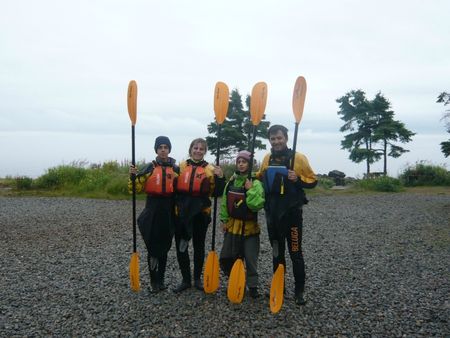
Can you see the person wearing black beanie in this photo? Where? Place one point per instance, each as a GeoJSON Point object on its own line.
{"type": "Point", "coordinates": [157, 221]}
{"type": "Point", "coordinates": [162, 140]}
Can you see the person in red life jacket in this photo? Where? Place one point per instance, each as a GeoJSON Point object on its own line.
{"type": "Point", "coordinates": [241, 201]}
{"type": "Point", "coordinates": [157, 221]}
{"type": "Point", "coordinates": [285, 198]}
{"type": "Point", "coordinates": [198, 181]}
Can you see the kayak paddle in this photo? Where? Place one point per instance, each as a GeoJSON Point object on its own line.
{"type": "Point", "coordinates": [236, 282]}
{"type": "Point", "coordinates": [298, 103]}
{"type": "Point", "coordinates": [134, 262]}
{"type": "Point", "coordinates": [211, 272]}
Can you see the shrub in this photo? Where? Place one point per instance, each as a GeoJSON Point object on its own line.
{"type": "Point", "coordinates": [118, 185]}
{"type": "Point", "coordinates": [383, 183]}
{"type": "Point", "coordinates": [60, 176]}
{"type": "Point", "coordinates": [111, 166]}
{"type": "Point", "coordinates": [325, 182]}
{"type": "Point", "coordinates": [423, 174]}
{"type": "Point", "coordinates": [23, 183]}
{"type": "Point", "coordinates": [228, 168]}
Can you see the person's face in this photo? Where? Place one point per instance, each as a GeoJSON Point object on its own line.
{"type": "Point", "coordinates": [242, 165]}
{"type": "Point", "coordinates": [198, 151]}
{"type": "Point", "coordinates": [163, 152]}
{"type": "Point", "coordinates": [278, 141]}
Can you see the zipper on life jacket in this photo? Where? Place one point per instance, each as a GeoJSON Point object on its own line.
{"type": "Point", "coordinates": [282, 186]}
{"type": "Point", "coordinates": [191, 181]}
{"type": "Point", "coordinates": [163, 180]}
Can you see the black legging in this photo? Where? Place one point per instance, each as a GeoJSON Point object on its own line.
{"type": "Point", "coordinates": [157, 276]}
{"type": "Point", "coordinates": [200, 227]}
{"type": "Point", "coordinates": [294, 218]}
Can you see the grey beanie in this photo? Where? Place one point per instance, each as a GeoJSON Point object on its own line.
{"type": "Point", "coordinates": [162, 140]}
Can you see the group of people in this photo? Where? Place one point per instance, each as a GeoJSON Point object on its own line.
{"type": "Point", "coordinates": [178, 204]}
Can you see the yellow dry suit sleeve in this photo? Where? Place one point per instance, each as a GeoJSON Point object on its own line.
{"type": "Point", "coordinates": [141, 177]}
{"type": "Point", "coordinates": [304, 171]}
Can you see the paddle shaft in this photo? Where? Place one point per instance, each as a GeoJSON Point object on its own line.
{"type": "Point", "coordinates": [294, 146]}
{"type": "Point", "coordinates": [252, 153]}
{"type": "Point", "coordinates": [213, 241]}
{"type": "Point", "coordinates": [133, 184]}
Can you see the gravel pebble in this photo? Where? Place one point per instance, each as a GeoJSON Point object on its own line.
{"type": "Point", "coordinates": [377, 265]}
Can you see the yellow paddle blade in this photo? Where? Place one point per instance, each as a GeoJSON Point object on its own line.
{"type": "Point", "coordinates": [211, 273]}
{"type": "Point", "coordinates": [134, 272]}
{"type": "Point", "coordinates": [236, 283]}
{"type": "Point", "coordinates": [258, 102]}
{"type": "Point", "coordinates": [132, 101]}
{"type": "Point", "coordinates": [277, 289]}
{"type": "Point", "coordinates": [298, 98]}
{"type": "Point", "coordinates": [221, 100]}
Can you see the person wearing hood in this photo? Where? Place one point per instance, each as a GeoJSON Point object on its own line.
{"type": "Point", "coordinates": [241, 200]}
{"type": "Point", "coordinates": [198, 181]}
{"type": "Point", "coordinates": [285, 197]}
{"type": "Point", "coordinates": [157, 221]}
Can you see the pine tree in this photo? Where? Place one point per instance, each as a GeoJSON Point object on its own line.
{"type": "Point", "coordinates": [388, 130]}
{"type": "Point", "coordinates": [371, 123]}
{"type": "Point", "coordinates": [236, 130]}
{"type": "Point", "coordinates": [355, 112]}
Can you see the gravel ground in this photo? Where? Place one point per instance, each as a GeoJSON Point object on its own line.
{"type": "Point", "coordinates": [377, 265]}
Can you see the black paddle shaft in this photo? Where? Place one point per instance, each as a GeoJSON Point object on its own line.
{"type": "Point", "coordinates": [213, 241]}
{"type": "Point", "coordinates": [252, 153]}
{"type": "Point", "coordinates": [133, 182]}
{"type": "Point", "coordinates": [294, 146]}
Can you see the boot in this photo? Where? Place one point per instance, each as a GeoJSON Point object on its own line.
{"type": "Point", "coordinates": [300, 297]}
{"type": "Point", "coordinates": [162, 272]}
{"type": "Point", "coordinates": [198, 284]}
{"type": "Point", "coordinates": [184, 285]}
{"type": "Point", "coordinates": [154, 281]}
{"type": "Point", "coordinates": [253, 292]}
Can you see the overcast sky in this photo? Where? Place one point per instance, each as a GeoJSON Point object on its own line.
{"type": "Point", "coordinates": [65, 68]}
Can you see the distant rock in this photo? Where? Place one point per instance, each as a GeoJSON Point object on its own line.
{"type": "Point", "coordinates": [337, 176]}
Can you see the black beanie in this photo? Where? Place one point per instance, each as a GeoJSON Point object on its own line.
{"type": "Point", "coordinates": [162, 140]}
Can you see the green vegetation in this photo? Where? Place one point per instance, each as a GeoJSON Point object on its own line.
{"type": "Point", "coordinates": [110, 181]}
{"type": "Point", "coordinates": [423, 174]}
{"type": "Point", "coordinates": [383, 183]}
{"type": "Point", "coordinates": [373, 132]}
{"type": "Point", "coordinates": [237, 129]}
{"type": "Point", "coordinates": [326, 183]}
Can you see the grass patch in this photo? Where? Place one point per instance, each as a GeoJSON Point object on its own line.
{"type": "Point", "coordinates": [425, 174]}
{"type": "Point", "coordinates": [110, 181]}
{"type": "Point", "coordinates": [383, 183]}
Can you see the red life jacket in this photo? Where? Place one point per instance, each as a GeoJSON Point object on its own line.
{"type": "Point", "coordinates": [236, 205]}
{"type": "Point", "coordinates": [161, 181]}
{"type": "Point", "coordinates": [193, 181]}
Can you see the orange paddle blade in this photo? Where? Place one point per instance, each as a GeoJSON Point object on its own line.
{"type": "Point", "coordinates": [132, 101]}
{"type": "Point", "coordinates": [211, 273]}
{"type": "Point", "coordinates": [258, 102]}
{"type": "Point", "coordinates": [298, 98]}
{"type": "Point", "coordinates": [236, 283]}
{"type": "Point", "coordinates": [221, 100]}
{"type": "Point", "coordinates": [277, 289]}
{"type": "Point", "coordinates": [134, 272]}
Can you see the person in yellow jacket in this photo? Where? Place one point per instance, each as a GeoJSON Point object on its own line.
{"type": "Point", "coordinates": [285, 197]}
{"type": "Point", "coordinates": [241, 201]}
{"type": "Point", "coordinates": [157, 221]}
{"type": "Point", "coordinates": [198, 181]}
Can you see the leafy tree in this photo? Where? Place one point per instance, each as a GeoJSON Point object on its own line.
{"type": "Point", "coordinates": [355, 111]}
{"type": "Point", "coordinates": [371, 124]}
{"type": "Point", "coordinates": [389, 130]}
{"type": "Point", "coordinates": [237, 129]}
{"type": "Point", "coordinates": [444, 98]}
